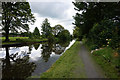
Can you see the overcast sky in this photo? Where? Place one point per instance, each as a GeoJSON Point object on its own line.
{"type": "Point", "coordinates": [57, 12]}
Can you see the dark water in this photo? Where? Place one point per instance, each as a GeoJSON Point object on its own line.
{"type": "Point", "coordinates": [32, 60]}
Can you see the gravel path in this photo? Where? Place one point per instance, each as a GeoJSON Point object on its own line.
{"type": "Point", "coordinates": [91, 69]}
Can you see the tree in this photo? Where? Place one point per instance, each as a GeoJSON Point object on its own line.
{"type": "Point", "coordinates": [58, 28]}
{"type": "Point", "coordinates": [46, 28]}
{"type": "Point", "coordinates": [36, 33]}
{"type": "Point", "coordinates": [94, 12]}
{"type": "Point", "coordinates": [15, 16]}
{"type": "Point", "coordinates": [100, 32]}
{"type": "Point", "coordinates": [64, 35]}
{"type": "Point", "coordinates": [30, 35]}
{"type": "Point", "coordinates": [77, 33]}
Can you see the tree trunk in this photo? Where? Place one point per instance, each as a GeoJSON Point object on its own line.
{"type": "Point", "coordinates": [7, 35]}
{"type": "Point", "coordinates": [7, 24]}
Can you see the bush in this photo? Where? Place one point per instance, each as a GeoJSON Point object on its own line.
{"type": "Point", "coordinates": [100, 32]}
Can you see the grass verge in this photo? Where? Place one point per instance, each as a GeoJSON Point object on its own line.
{"type": "Point", "coordinates": [108, 59]}
{"type": "Point", "coordinates": [109, 62]}
{"type": "Point", "coordinates": [66, 66]}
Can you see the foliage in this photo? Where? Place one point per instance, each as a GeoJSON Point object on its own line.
{"type": "Point", "coordinates": [46, 28]}
{"type": "Point", "coordinates": [57, 29]}
{"type": "Point", "coordinates": [100, 32]}
{"type": "Point", "coordinates": [36, 33]}
{"type": "Point", "coordinates": [90, 13]}
{"type": "Point", "coordinates": [64, 35]}
{"type": "Point", "coordinates": [15, 16]}
{"type": "Point", "coordinates": [51, 38]}
{"type": "Point", "coordinates": [77, 33]}
{"type": "Point", "coordinates": [98, 22]}
{"type": "Point", "coordinates": [24, 34]}
{"type": "Point", "coordinates": [30, 35]}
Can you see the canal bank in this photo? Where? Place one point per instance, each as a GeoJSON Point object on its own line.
{"type": "Point", "coordinates": [76, 62]}
{"type": "Point", "coordinates": [67, 65]}
{"type": "Point", "coordinates": [22, 42]}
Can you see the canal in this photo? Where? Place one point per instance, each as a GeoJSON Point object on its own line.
{"type": "Point", "coordinates": [30, 60]}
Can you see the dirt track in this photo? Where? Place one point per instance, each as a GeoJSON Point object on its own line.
{"type": "Point", "coordinates": [91, 69]}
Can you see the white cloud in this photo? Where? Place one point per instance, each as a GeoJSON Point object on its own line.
{"type": "Point", "coordinates": [56, 12]}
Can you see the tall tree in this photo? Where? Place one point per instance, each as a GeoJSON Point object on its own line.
{"type": "Point", "coordinates": [90, 13]}
{"type": "Point", "coordinates": [36, 33]}
{"type": "Point", "coordinates": [46, 28]}
{"type": "Point", "coordinates": [15, 16]}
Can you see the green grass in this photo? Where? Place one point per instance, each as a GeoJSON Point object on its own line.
{"type": "Point", "coordinates": [67, 65]}
{"type": "Point", "coordinates": [14, 40]}
{"type": "Point", "coordinates": [107, 58]}
{"type": "Point", "coordinates": [108, 62]}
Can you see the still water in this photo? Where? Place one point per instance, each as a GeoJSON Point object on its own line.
{"type": "Point", "coordinates": [30, 60]}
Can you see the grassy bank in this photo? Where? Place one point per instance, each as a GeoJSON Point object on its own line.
{"type": "Point", "coordinates": [108, 59]}
{"type": "Point", "coordinates": [14, 40]}
{"type": "Point", "coordinates": [66, 66]}
{"type": "Point", "coordinates": [109, 62]}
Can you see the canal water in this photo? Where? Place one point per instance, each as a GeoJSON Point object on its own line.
{"type": "Point", "coordinates": [30, 60]}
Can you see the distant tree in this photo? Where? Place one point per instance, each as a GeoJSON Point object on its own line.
{"type": "Point", "coordinates": [64, 35]}
{"type": "Point", "coordinates": [46, 28]}
{"type": "Point", "coordinates": [36, 33]}
{"type": "Point", "coordinates": [51, 38]}
{"type": "Point", "coordinates": [30, 35]}
{"type": "Point", "coordinates": [15, 16]}
{"type": "Point", "coordinates": [57, 28]}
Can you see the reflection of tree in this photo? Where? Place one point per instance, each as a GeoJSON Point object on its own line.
{"type": "Point", "coordinates": [36, 46]}
{"type": "Point", "coordinates": [59, 48]}
{"type": "Point", "coordinates": [65, 43]}
{"type": "Point", "coordinates": [19, 68]}
{"type": "Point", "coordinates": [50, 47]}
{"type": "Point", "coordinates": [47, 50]}
{"type": "Point", "coordinates": [30, 49]}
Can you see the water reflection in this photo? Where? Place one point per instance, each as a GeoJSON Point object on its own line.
{"type": "Point", "coordinates": [31, 60]}
{"type": "Point", "coordinates": [16, 67]}
{"type": "Point", "coordinates": [47, 50]}
{"type": "Point", "coordinates": [50, 47]}
{"type": "Point", "coordinates": [36, 46]}
{"type": "Point", "coordinates": [30, 49]}
{"type": "Point", "coordinates": [59, 48]}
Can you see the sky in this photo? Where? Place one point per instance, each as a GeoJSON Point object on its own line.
{"type": "Point", "coordinates": [57, 12]}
